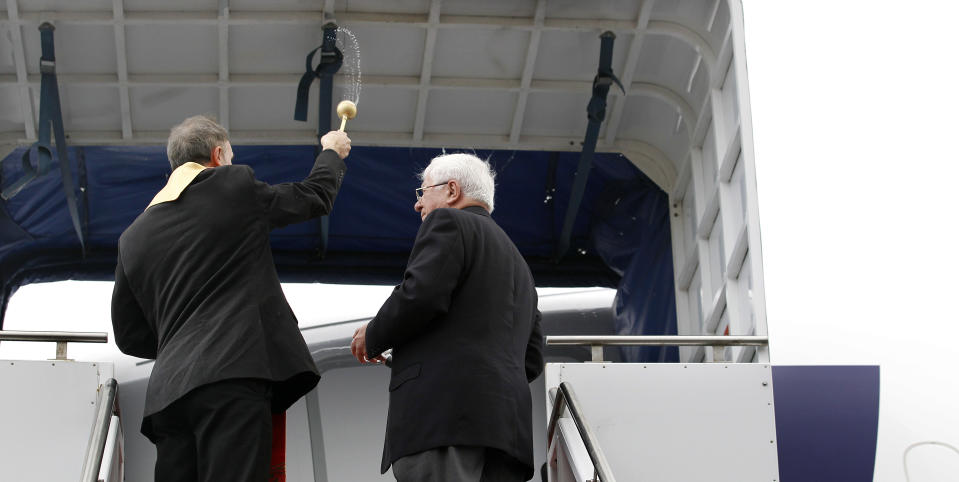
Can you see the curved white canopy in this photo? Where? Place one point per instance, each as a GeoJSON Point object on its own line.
{"type": "Point", "coordinates": [442, 73]}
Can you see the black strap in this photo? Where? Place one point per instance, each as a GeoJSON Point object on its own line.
{"type": "Point", "coordinates": [596, 113]}
{"type": "Point", "coordinates": [51, 119]}
{"type": "Point", "coordinates": [331, 58]}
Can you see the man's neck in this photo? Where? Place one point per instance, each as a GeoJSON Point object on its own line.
{"type": "Point", "coordinates": [465, 203]}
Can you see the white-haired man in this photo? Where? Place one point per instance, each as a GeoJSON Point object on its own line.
{"type": "Point", "coordinates": [466, 338]}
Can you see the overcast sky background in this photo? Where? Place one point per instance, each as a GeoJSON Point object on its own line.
{"type": "Point", "coordinates": [854, 116]}
{"type": "Point", "coordinates": [854, 106]}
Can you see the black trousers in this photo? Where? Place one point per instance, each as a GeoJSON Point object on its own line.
{"type": "Point", "coordinates": [218, 432]}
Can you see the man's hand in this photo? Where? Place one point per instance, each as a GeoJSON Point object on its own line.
{"type": "Point", "coordinates": [338, 141]}
{"type": "Point", "coordinates": [358, 347]}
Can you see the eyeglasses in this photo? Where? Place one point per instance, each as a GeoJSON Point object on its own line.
{"type": "Point", "coordinates": [421, 190]}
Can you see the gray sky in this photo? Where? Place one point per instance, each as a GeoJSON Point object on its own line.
{"type": "Point", "coordinates": [854, 117]}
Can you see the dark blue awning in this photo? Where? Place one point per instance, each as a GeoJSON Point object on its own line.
{"type": "Point", "coordinates": [373, 224]}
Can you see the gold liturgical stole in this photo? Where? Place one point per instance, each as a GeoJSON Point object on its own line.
{"type": "Point", "coordinates": [179, 180]}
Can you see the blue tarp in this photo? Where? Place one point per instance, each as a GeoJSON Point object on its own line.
{"type": "Point", "coordinates": [620, 239]}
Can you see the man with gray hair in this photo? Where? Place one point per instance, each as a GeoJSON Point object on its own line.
{"type": "Point", "coordinates": [466, 338]}
{"type": "Point", "coordinates": [196, 290]}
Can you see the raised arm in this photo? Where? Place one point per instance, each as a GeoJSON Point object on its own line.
{"type": "Point", "coordinates": [295, 202]}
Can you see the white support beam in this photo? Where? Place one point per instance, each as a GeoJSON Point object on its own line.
{"type": "Point", "coordinates": [528, 69]}
{"type": "Point", "coordinates": [689, 37]}
{"type": "Point", "coordinates": [680, 187]}
{"type": "Point", "coordinates": [690, 263]}
{"type": "Point", "coordinates": [710, 213]}
{"type": "Point", "coordinates": [728, 163]}
{"type": "Point", "coordinates": [748, 155]}
{"type": "Point", "coordinates": [706, 266]}
{"type": "Point", "coordinates": [712, 15]}
{"type": "Point", "coordinates": [738, 253]}
{"type": "Point", "coordinates": [692, 73]}
{"type": "Point", "coordinates": [724, 57]}
{"type": "Point", "coordinates": [426, 71]}
{"type": "Point", "coordinates": [19, 58]}
{"type": "Point", "coordinates": [223, 34]}
{"type": "Point", "coordinates": [651, 161]}
{"type": "Point", "coordinates": [653, 156]}
{"type": "Point", "coordinates": [675, 101]}
{"type": "Point", "coordinates": [328, 11]}
{"type": "Point", "coordinates": [702, 122]}
{"type": "Point", "coordinates": [716, 309]}
{"type": "Point", "coordinates": [123, 81]}
{"type": "Point", "coordinates": [617, 100]}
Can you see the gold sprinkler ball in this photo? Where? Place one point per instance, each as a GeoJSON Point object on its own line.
{"type": "Point", "coordinates": [346, 109]}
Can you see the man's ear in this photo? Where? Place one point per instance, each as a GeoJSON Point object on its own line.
{"type": "Point", "coordinates": [456, 194]}
{"type": "Point", "coordinates": [215, 156]}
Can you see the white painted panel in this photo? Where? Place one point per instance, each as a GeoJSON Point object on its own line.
{"type": "Point", "coordinates": [169, 5]}
{"type": "Point", "coordinates": [668, 61]}
{"type": "Point", "coordinates": [696, 304]}
{"type": "Point", "coordinates": [353, 406]}
{"type": "Point", "coordinates": [720, 25]}
{"type": "Point", "coordinates": [678, 422]}
{"type": "Point", "coordinates": [299, 459]}
{"type": "Point", "coordinates": [47, 413]}
{"type": "Point", "coordinates": [381, 109]}
{"type": "Point", "coordinates": [556, 114]}
{"type": "Point", "coordinates": [72, 5]}
{"type": "Point", "coordinates": [405, 6]}
{"type": "Point", "coordinates": [262, 48]}
{"type": "Point", "coordinates": [717, 258]}
{"type": "Point", "coordinates": [78, 49]}
{"type": "Point", "coordinates": [90, 108]}
{"type": "Point", "coordinates": [694, 13]}
{"type": "Point", "coordinates": [710, 160]}
{"type": "Point", "coordinates": [607, 9]}
{"type": "Point", "coordinates": [512, 8]}
{"type": "Point", "coordinates": [480, 53]}
{"type": "Point", "coordinates": [253, 107]}
{"type": "Point", "coordinates": [395, 50]}
{"type": "Point", "coordinates": [160, 108]}
{"type": "Point", "coordinates": [172, 49]}
{"type": "Point", "coordinates": [10, 117]}
{"type": "Point", "coordinates": [730, 103]}
{"type": "Point", "coordinates": [7, 64]}
{"type": "Point", "coordinates": [476, 112]}
{"type": "Point", "coordinates": [569, 55]}
{"type": "Point", "coordinates": [746, 325]}
{"type": "Point", "coordinates": [736, 209]}
{"type": "Point", "coordinates": [652, 120]}
{"type": "Point", "coordinates": [689, 217]}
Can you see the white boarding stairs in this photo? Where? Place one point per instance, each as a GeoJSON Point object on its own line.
{"type": "Point", "coordinates": [59, 417]}
{"type": "Point", "coordinates": [659, 422]}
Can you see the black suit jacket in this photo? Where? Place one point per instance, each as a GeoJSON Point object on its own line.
{"type": "Point", "coordinates": [196, 287]}
{"type": "Point", "coordinates": [466, 339]}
